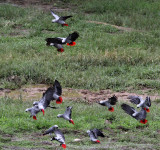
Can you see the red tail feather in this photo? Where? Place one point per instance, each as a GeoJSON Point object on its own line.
{"type": "Point", "coordinates": [34, 117]}
{"type": "Point", "coordinates": [64, 146]}
{"type": "Point", "coordinates": [60, 50]}
{"type": "Point", "coordinates": [43, 111]}
{"type": "Point", "coordinates": [71, 44]}
{"type": "Point", "coordinates": [71, 121]}
{"type": "Point", "coordinates": [147, 110]}
{"type": "Point", "coordinates": [98, 141]}
{"type": "Point", "coordinates": [111, 109]}
{"type": "Point", "coordinates": [65, 24]}
{"type": "Point", "coordinates": [143, 121]}
{"type": "Point", "coordinates": [59, 100]}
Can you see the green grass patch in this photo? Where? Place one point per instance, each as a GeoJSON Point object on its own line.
{"type": "Point", "coordinates": [103, 58]}
{"type": "Point", "coordinates": [19, 130]}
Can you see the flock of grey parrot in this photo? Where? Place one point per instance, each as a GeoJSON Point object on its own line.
{"type": "Point", "coordinates": [59, 41]}
{"type": "Point", "coordinates": [54, 93]}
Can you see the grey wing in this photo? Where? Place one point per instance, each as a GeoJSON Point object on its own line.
{"type": "Point", "coordinates": [57, 87]}
{"type": "Point", "coordinates": [104, 103]}
{"type": "Point", "coordinates": [47, 97]}
{"type": "Point", "coordinates": [128, 109]}
{"type": "Point", "coordinates": [134, 99]}
{"type": "Point", "coordinates": [28, 109]}
{"type": "Point", "coordinates": [68, 111]}
{"type": "Point", "coordinates": [141, 115]}
{"type": "Point", "coordinates": [50, 130]}
{"type": "Point", "coordinates": [148, 101]}
{"type": "Point", "coordinates": [113, 100]}
{"type": "Point", "coordinates": [73, 36]}
{"type": "Point", "coordinates": [54, 15]}
{"type": "Point", "coordinates": [59, 46]}
{"type": "Point", "coordinates": [45, 102]}
{"type": "Point", "coordinates": [92, 136]}
{"type": "Point", "coordinates": [36, 109]}
{"type": "Point", "coordinates": [60, 136]}
{"type": "Point", "coordinates": [65, 17]}
{"type": "Point", "coordinates": [98, 132]}
{"type": "Point", "coordinates": [35, 103]}
{"type": "Point", "coordinates": [33, 110]}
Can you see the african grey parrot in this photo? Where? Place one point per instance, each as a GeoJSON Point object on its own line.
{"type": "Point", "coordinates": [145, 104]}
{"type": "Point", "coordinates": [59, 41]}
{"type": "Point", "coordinates": [59, 135]}
{"type": "Point", "coordinates": [111, 101]}
{"type": "Point", "coordinates": [141, 115]}
{"type": "Point", "coordinates": [52, 93]}
{"type": "Point", "coordinates": [67, 115]}
{"type": "Point", "coordinates": [60, 20]}
{"type": "Point", "coordinates": [93, 134]}
{"type": "Point", "coordinates": [33, 110]}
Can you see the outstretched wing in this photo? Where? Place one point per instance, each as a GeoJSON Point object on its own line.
{"type": "Point", "coordinates": [72, 37]}
{"type": "Point", "coordinates": [59, 136]}
{"type": "Point", "coordinates": [92, 136]}
{"type": "Point", "coordinates": [104, 103]}
{"type": "Point", "coordinates": [47, 97]}
{"type": "Point", "coordinates": [33, 110]}
{"type": "Point", "coordinates": [134, 99]}
{"type": "Point", "coordinates": [128, 109]}
{"type": "Point", "coordinates": [97, 132]}
{"type": "Point", "coordinates": [53, 41]}
{"type": "Point", "coordinates": [48, 94]}
{"type": "Point", "coordinates": [148, 101]}
{"type": "Point", "coordinates": [65, 17]}
{"type": "Point", "coordinates": [50, 130]}
{"type": "Point", "coordinates": [54, 15]}
{"type": "Point", "coordinates": [113, 100]}
{"type": "Point", "coordinates": [68, 111]}
{"type": "Point", "coordinates": [57, 87]}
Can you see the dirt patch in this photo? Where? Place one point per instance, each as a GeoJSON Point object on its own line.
{"type": "Point", "coordinates": [104, 94]}
{"type": "Point", "coordinates": [117, 27]}
{"type": "Point", "coordinates": [20, 33]}
{"type": "Point", "coordinates": [20, 148]}
{"type": "Point", "coordinates": [34, 92]}
{"type": "Point", "coordinates": [38, 4]}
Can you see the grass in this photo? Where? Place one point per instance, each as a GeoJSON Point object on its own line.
{"type": "Point", "coordinates": [23, 131]}
{"type": "Point", "coordinates": [118, 60]}
{"type": "Point", "coordinates": [104, 58]}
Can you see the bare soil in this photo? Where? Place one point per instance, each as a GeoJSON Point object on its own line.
{"type": "Point", "coordinates": [39, 4]}
{"type": "Point", "coordinates": [34, 92]}
{"type": "Point", "coordinates": [117, 27]}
